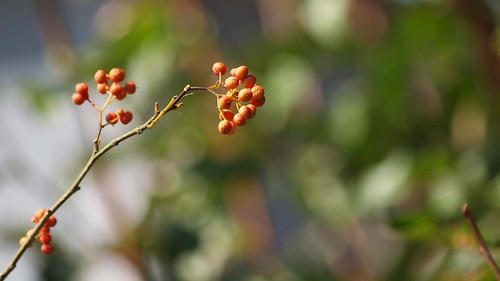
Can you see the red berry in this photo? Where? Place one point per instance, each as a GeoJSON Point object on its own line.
{"type": "Point", "coordinates": [258, 92]}
{"type": "Point", "coordinates": [231, 83]}
{"type": "Point", "coordinates": [82, 89]}
{"type": "Point", "coordinates": [47, 249]}
{"type": "Point", "coordinates": [125, 117]}
{"type": "Point", "coordinates": [116, 89]}
{"type": "Point", "coordinates": [78, 99]}
{"type": "Point", "coordinates": [46, 238]}
{"type": "Point", "coordinates": [260, 102]}
{"type": "Point", "coordinates": [52, 221]}
{"type": "Point", "coordinates": [112, 118]}
{"type": "Point", "coordinates": [249, 81]}
{"type": "Point", "coordinates": [225, 102]}
{"type": "Point", "coordinates": [100, 77]}
{"type": "Point", "coordinates": [241, 72]}
{"type": "Point", "coordinates": [226, 114]}
{"type": "Point", "coordinates": [219, 68]}
{"type": "Point", "coordinates": [226, 127]}
{"type": "Point", "coordinates": [116, 75]}
{"type": "Point", "coordinates": [102, 88]}
{"type": "Point", "coordinates": [245, 95]}
{"type": "Point", "coordinates": [130, 87]}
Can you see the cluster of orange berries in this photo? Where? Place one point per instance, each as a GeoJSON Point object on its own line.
{"type": "Point", "coordinates": [108, 83]}
{"type": "Point", "coordinates": [246, 99]}
{"type": "Point", "coordinates": [44, 234]}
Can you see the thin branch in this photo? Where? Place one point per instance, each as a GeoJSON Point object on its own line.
{"type": "Point", "coordinates": [96, 154]}
{"type": "Point", "coordinates": [483, 248]}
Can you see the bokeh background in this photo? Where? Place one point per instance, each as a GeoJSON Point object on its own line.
{"type": "Point", "coordinates": [382, 119]}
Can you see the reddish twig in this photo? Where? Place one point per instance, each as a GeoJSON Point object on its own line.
{"type": "Point", "coordinates": [483, 248]}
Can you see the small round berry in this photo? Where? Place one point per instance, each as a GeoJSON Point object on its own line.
{"type": "Point", "coordinates": [249, 81]}
{"type": "Point", "coordinates": [241, 72]}
{"type": "Point", "coordinates": [126, 117]}
{"type": "Point", "coordinates": [38, 215]}
{"type": "Point", "coordinates": [47, 249]}
{"type": "Point", "coordinates": [78, 99]}
{"type": "Point", "coordinates": [225, 102]}
{"type": "Point", "coordinates": [253, 110]}
{"type": "Point", "coordinates": [219, 68]}
{"type": "Point", "coordinates": [226, 127]}
{"type": "Point", "coordinates": [82, 89]}
{"type": "Point", "coordinates": [102, 88]}
{"type": "Point", "coordinates": [245, 95]}
{"type": "Point", "coordinates": [130, 87]}
{"type": "Point", "coordinates": [226, 114]}
{"type": "Point", "coordinates": [112, 118]}
{"type": "Point", "coordinates": [116, 89]}
{"type": "Point", "coordinates": [258, 92]}
{"type": "Point", "coordinates": [231, 83]}
{"type": "Point", "coordinates": [239, 119]}
{"type": "Point", "coordinates": [24, 240]}
{"type": "Point", "coordinates": [46, 238]}
{"type": "Point", "coordinates": [100, 77]}
{"type": "Point", "coordinates": [52, 221]}
{"type": "Point", "coordinates": [245, 112]}
{"type": "Point", "coordinates": [116, 75]}
{"type": "Point", "coordinates": [260, 102]}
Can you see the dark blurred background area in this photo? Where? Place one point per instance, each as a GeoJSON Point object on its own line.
{"type": "Point", "coordinates": [381, 120]}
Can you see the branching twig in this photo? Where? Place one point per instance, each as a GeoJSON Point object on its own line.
{"type": "Point", "coordinates": [483, 248]}
{"type": "Point", "coordinates": [96, 154]}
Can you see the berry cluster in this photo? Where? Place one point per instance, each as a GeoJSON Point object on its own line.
{"type": "Point", "coordinates": [108, 83]}
{"type": "Point", "coordinates": [246, 99]}
{"type": "Point", "coordinates": [44, 234]}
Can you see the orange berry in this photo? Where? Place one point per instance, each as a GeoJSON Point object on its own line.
{"type": "Point", "coordinates": [78, 99]}
{"type": "Point", "coordinates": [245, 112]}
{"type": "Point", "coordinates": [245, 95]}
{"type": "Point", "coordinates": [226, 127]}
{"type": "Point", "coordinates": [38, 215]}
{"type": "Point", "coordinates": [82, 89]}
{"type": "Point", "coordinates": [258, 92]}
{"type": "Point", "coordinates": [116, 75]}
{"type": "Point", "coordinates": [239, 119]}
{"type": "Point", "coordinates": [225, 102]}
{"type": "Point", "coordinates": [116, 89]}
{"type": "Point", "coordinates": [253, 110]}
{"type": "Point", "coordinates": [130, 87]}
{"type": "Point", "coordinates": [241, 72]}
{"type": "Point", "coordinates": [226, 114]}
{"type": "Point", "coordinates": [231, 83]}
{"type": "Point", "coordinates": [24, 240]}
{"type": "Point", "coordinates": [102, 88]}
{"type": "Point", "coordinates": [126, 117]}
{"type": "Point", "coordinates": [260, 102]}
{"type": "Point", "coordinates": [47, 249]}
{"type": "Point", "coordinates": [249, 81]}
{"type": "Point", "coordinates": [100, 77]}
{"type": "Point", "coordinates": [219, 68]}
{"type": "Point", "coordinates": [112, 118]}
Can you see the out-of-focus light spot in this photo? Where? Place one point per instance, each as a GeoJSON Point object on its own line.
{"type": "Point", "coordinates": [325, 20]}
{"type": "Point", "coordinates": [468, 127]}
{"type": "Point", "coordinates": [114, 19]}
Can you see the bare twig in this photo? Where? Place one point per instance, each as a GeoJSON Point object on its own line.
{"type": "Point", "coordinates": [483, 248]}
{"type": "Point", "coordinates": [96, 154]}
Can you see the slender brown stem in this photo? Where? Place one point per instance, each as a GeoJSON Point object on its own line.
{"type": "Point", "coordinates": [96, 154]}
{"type": "Point", "coordinates": [483, 248]}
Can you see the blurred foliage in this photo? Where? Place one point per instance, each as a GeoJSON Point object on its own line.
{"type": "Point", "coordinates": [381, 121]}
